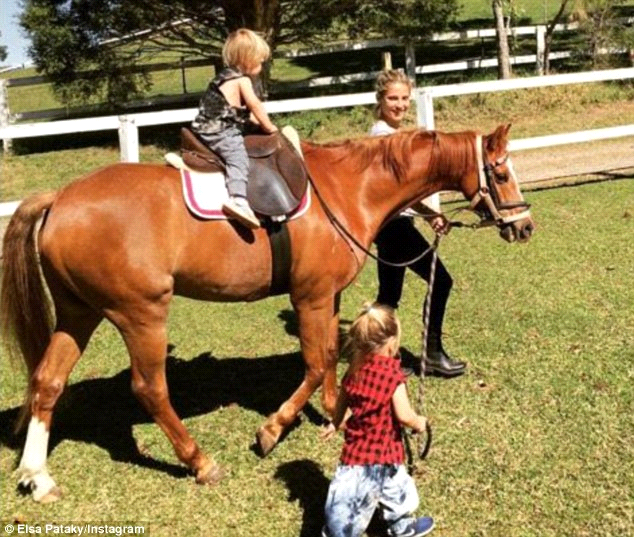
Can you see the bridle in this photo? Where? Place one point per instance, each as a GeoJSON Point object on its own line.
{"type": "Point", "coordinates": [487, 191]}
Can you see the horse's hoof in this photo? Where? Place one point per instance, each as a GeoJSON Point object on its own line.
{"type": "Point", "coordinates": [210, 475]}
{"type": "Point", "coordinates": [266, 441]}
{"type": "Point", "coordinates": [51, 496]}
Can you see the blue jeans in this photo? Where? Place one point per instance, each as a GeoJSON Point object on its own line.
{"type": "Point", "coordinates": [356, 491]}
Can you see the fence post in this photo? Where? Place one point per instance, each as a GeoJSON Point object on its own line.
{"type": "Point", "coordinates": [387, 61]}
{"type": "Point", "coordinates": [128, 139]}
{"type": "Point", "coordinates": [5, 116]}
{"type": "Point", "coordinates": [541, 49]}
{"type": "Point", "coordinates": [410, 62]}
{"type": "Point", "coordinates": [425, 109]}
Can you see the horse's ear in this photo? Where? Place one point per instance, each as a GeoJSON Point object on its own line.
{"type": "Point", "coordinates": [499, 138]}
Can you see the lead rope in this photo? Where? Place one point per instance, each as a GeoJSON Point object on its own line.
{"type": "Point", "coordinates": [424, 442]}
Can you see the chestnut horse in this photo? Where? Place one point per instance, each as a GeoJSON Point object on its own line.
{"type": "Point", "coordinates": [119, 243]}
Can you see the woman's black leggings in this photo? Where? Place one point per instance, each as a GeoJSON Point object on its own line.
{"type": "Point", "coordinates": [400, 241]}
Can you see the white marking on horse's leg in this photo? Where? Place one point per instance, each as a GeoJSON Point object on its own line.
{"type": "Point", "coordinates": [32, 472]}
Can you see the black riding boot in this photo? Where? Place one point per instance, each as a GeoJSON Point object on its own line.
{"type": "Point", "coordinates": [438, 362]}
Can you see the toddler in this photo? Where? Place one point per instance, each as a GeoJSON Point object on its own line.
{"type": "Point", "coordinates": [373, 404]}
{"type": "Point", "coordinates": [225, 110]}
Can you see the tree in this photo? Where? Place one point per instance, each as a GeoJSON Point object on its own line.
{"type": "Point", "coordinates": [550, 32]}
{"type": "Point", "coordinates": [398, 18]}
{"type": "Point", "coordinates": [69, 39]}
{"type": "Point", "coordinates": [504, 60]}
{"type": "Point", "coordinates": [598, 19]}
{"type": "Point", "coordinates": [3, 53]}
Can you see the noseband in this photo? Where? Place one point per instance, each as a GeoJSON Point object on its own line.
{"type": "Point", "coordinates": [487, 192]}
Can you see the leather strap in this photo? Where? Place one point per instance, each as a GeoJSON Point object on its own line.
{"type": "Point", "coordinates": [280, 242]}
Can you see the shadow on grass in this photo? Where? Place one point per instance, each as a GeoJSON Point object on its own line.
{"type": "Point", "coordinates": [102, 411]}
{"type": "Point", "coordinates": [307, 484]}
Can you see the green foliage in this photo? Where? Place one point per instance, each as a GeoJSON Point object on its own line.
{"type": "Point", "coordinates": [602, 27]}
{"type": "Point", "coordinates": [112, 38]}
{"type": "Point", "coordinates": [66, 44]}
{"type": "Point", "coordinates": [3, 53]}
{"type": "Point", "coordinates": [401, 18]}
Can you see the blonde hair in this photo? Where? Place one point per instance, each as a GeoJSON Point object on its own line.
{"type": "Point", "coordinates": [384, 80]}
{"type": "Point", "coordinates": [375, 327]}
{"type": "Point", "coordinates": [244, 49]}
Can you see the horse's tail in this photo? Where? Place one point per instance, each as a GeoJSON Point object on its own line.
{"type": "Point", "coordinates": [25, 309]}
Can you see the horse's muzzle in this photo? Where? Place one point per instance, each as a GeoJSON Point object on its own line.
{"type": "Point", "coordinates": [519, 231]}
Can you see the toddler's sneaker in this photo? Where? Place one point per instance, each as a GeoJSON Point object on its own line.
{"type": "Point", "coordinates": [421, 526]}
{"type": "Point", "coordinates": [238, 208]}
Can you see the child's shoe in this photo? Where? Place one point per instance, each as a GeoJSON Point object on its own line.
{"type": "Point", "coordinates": [238, 208]}
{"type": "Point", "coordinates": [421, 526]}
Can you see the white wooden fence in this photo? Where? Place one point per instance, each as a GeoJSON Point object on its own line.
{"type": "Point", "coordinates": [128, 125]}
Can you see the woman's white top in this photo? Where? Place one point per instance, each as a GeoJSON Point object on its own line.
{"type": "Point", "coordinates": [381, 128]}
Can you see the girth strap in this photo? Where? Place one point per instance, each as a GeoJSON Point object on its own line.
{"type": "Point", "coordinates": [280, 242]}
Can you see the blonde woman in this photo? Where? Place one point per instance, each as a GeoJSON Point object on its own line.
{"type": "Point", "coordinates": [225, 110]}
{"type": "Point", "coordinates": [399, 240]}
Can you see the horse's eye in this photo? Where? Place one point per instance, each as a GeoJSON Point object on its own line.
{"type": "Point", "coordinates": [501, 178]}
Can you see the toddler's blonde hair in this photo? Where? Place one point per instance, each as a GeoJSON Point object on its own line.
{"type": "Point", "coordinates": [375, 327]}
{"type": "Point", "coordinates": [383, 81]}
{"type": "Point", "coordinates": [244, 49]}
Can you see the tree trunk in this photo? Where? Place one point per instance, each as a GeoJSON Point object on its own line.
{"type": "Point", "coordinates": [261, 16]}
{"type": "Point", "coordinates": [550, 30]}
{"type": "Point", "coordinates": [504, 61]}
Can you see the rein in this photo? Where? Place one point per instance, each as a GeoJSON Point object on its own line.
{"type": "Point", "coordinates": [423, 447]}
{"type": "Point", "coordinates": [343, 231]}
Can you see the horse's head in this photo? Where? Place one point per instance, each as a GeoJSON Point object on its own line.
{"type": "Point", "coordinates": [495, 193]}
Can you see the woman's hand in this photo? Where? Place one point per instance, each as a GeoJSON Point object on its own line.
{"type": "Point", "coordinates": [440, 224]}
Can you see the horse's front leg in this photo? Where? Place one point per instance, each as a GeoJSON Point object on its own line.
{"type": "Point", "coordinates": [315, 320]}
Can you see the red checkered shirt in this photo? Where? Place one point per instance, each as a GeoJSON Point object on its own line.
{"type": "Point", "coordinates": [373, 434]}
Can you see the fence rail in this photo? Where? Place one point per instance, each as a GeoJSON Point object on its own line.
{"type": "Point", "coordinates": [128, 125]}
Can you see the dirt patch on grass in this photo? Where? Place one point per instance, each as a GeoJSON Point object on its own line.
{"type": "Point", "coordinates": [606, 158]}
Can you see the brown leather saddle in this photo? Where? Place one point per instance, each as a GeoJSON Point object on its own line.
{"type": "Point", "coordinates": [277, 174]}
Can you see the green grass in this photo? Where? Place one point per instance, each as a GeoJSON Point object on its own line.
{"type": "Point", "coordinates": [526, 11]}
{"type": "Point", "coordinates": [536, 440]}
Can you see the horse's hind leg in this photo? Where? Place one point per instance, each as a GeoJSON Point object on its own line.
{"type": "Point", "coordinates": [74, 327]}
{"type": "Point", "coordinates": [147, 344]}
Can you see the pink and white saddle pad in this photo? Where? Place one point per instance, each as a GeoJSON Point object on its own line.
{"type": "Point", "coordinates": [205, 193]}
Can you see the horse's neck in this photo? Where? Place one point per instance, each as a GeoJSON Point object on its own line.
{"type": "Point", "coordinates": [454, 158]}
{"type": "Point", "coordinates": [363, 195]}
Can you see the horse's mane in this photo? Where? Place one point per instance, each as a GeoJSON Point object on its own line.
{"type": "Point", "coordinates": [394, 151]}
{"type": "Point", "coordinates": [454, 153]}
